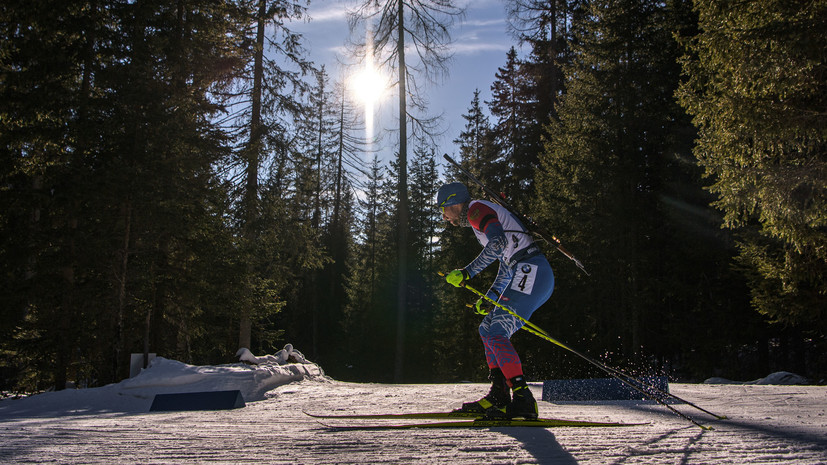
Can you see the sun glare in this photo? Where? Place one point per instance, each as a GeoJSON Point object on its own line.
{"type": "Point", "coordinates": [368, 85]}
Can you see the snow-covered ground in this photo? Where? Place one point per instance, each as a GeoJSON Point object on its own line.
{"type": "Point", "coordinates": [112, 424]}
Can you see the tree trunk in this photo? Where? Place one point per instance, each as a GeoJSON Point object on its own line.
{"type": "Point", "coordinates": [402, 203]}
{"type": "Point", "coordinates": [63, 345]}
{"type": "Point", "coordinates": [126, 212]}
{"type": "Point", "coordinates": [338, 199]}
{"type": "Point", "coordinates": [253, 154]}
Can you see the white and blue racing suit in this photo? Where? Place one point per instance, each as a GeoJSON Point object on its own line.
{"type": "Point", "coordinates": [524, 280]}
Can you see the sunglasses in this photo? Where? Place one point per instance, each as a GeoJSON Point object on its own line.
{"type": "Point", "coordinates": [442, 205]}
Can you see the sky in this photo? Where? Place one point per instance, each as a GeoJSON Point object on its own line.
{"type": "Point", "coordinates": [480, 44]}
{"type": "Point", "coordinates": [766, 424]}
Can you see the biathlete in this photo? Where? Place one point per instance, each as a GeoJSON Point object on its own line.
{"type": "Point", "coordinates": [524, 282]}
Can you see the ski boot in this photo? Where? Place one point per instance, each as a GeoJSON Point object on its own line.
{"type": "Point", "coordinates": [498, 397]}
{"type": "Point", "coordinates": [522, 404]}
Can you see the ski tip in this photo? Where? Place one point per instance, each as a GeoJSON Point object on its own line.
{"type": "Point", "coordinates": [316, 415]}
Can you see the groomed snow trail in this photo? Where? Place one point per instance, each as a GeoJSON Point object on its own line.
{"type": "Point", "coordinates": [767, 424]}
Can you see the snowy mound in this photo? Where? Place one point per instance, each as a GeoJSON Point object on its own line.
{"type": "Point", "coordinates": [286, 355]}
{"type": "Point", "coordinates": [780, 378]}
{"type": "Point", "coordinates": [165, 376]}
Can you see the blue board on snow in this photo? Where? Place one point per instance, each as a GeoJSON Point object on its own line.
{"type": "Point", "coordinates": [598, 389]}
{"type": "Point", "coordinates": [210, 400]}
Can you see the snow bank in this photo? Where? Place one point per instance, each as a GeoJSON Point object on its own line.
{"type": "Point", "coordinates": [169, 376]}
{"type": "Point", "coordinates": [780, 378]}
{"type": "Point", "coordinates": [165, 376]}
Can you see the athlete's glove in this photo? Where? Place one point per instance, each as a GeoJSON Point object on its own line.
{"type": "Point", "coordinates": [483, 307]}
{"type": "Point", "coordinates": [456, 277]}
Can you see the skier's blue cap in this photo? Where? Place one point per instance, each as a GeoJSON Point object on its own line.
{"type": "Point", "coordinates": [452, 194]}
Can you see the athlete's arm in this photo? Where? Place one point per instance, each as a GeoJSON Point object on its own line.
{"type": "Point", "coordinates": [484, 219]}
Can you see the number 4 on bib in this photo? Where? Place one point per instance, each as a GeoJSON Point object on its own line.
{"type": "Point", "coordinates": [524, 278]}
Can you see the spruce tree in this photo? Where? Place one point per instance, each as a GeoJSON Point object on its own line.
{"type": "Point", "coordinates": [755, 86]}
{"type": "Point", "coordinates": [604, 174]}
{"type": "Point", "coordinates": [544, 26]}
{"type": "Point", "coordinates": [369, 323]}
{"type": "Point", "coordinates": [514, 124]}
{"type": "Point", "coordinates": [425, 24]}
{"type": "Point", "coordinates": [46, 72]}
{"type": "Point", "coordinates": [268, 89]}
{"type": "Point", "coordinates": [478, 148]}
{"type": "Point", "coordinates": [133, 181]}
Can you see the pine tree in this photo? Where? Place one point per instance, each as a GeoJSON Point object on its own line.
{"type": "Point", "coordinates": [329, 136]}
{"type": "Point", "coordinates": [135, 188]}
{"type": "Point", "coordinates": [756, 89]}
{"type": "Point", "coordinates": [604, 175]}
{"type": "Point", "coordinates": [478, 151]}
{"type": "Point", "coordinates": [513, 125]}
{"type": "Point", "coordinates": [424, 182]}
{"type": "Point", "coordinates": [368, 318]}
{"type": "Point", "coordinates": [268, 95]}
{"type": "Point", "coordinates": [424, 214]}
{"type": "Point", "coordinates": [44, 82]}
{"type": "Point", "coordinates": [392, 25]}
{"type": "Point", "coordinates": [544, 26]}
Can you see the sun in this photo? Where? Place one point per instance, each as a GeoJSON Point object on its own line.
{"type": "Point", "coordinates": [368, 85]}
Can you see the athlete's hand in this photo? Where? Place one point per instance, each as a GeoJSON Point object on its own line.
{"type": "Point", "coordinates": [483, 307]}
{"type": "Point", "coordinates": [456, 277]}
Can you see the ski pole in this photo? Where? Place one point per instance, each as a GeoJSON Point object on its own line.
{"type": "Point", "coordinates": [614, 372]}
{"type": "Point", "coordinates": [500, 199]}
{"type": "Point", "coordinates": [608, 369]}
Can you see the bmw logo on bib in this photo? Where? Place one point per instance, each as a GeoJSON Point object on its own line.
{"type": "Point", "coordinates": [523, 280]}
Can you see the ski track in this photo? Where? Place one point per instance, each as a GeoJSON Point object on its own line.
{"type": "Point", "coordinates": [767, 424]}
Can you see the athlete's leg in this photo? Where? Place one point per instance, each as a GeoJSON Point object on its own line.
{"type": "Point", "coordinates": [532, 285]}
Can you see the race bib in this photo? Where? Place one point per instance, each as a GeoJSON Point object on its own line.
{"type": "Point", "coordinates": [524, 278]}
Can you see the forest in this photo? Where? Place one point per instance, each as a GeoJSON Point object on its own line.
{"type": "Point", "coordinates": [180, 178]}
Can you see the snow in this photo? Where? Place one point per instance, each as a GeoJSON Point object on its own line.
{"type": "Point", "coordinates": [781, 377]}
{"type": "Point", "coordinates": [112, 424]}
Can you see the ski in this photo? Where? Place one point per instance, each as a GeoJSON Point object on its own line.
{"type": "Point", "coordinates": [401, 416]}
{"type": "Point", "coordinates": [479, 423]}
